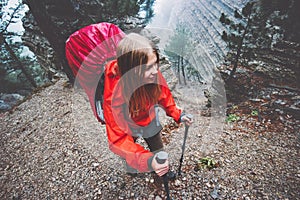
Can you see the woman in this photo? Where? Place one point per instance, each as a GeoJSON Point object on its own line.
{"type": "Point", "coordinates": [134, 87]}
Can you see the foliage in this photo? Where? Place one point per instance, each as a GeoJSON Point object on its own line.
{"type": "Point", "coordinates": [180, 43]}
{"type": "Point", "coordinates": [17, 69]}
{"type": "Point", "coordinates": [58, 19]}
{"type": "Point", "coordinates": [236, 34]}
{"type": "Point", "coordinates": [232, 118]}
{"type": "Point", "coordinates": [147, 8]}
{"type": "Point", "coordinates": [206, 163]}
{"type": "Point", "coordinates": [254, 113]}
{"type": "Point", "coordinates": [247, 33]}
{"type": "Point", "coordinates": [114, 10]}
{"type": "Point", "coordinates": [285, 14]}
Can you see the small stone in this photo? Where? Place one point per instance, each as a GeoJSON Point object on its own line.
{"type": "Point", "coordinates": [214, 194]}
{"type": "Point", "coordinates": [177, 182]}
{"type": "Point", "coordinates": [158, 198]}
{"type": "Point", "coordinates": [208, 185]}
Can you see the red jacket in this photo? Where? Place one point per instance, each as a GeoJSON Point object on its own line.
{"type": "Point", "coordinates": [118, 126]}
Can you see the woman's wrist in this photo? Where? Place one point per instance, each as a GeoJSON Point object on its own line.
{"type": "Point", "coordinates": [150, 163]}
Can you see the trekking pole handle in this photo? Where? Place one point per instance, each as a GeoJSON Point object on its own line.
{"type": "Point", "coordinates": [161, 157]}
{"type": "Point", "coordinates": [190, 116]}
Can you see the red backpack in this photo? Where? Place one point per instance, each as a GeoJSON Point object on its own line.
{"type": "Point", "coordinates": [87, 51]}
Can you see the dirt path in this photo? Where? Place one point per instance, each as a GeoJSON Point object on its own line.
{"type": "Point", "coordinates": [53, 148]}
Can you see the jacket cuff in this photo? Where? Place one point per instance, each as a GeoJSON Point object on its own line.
{"type": "Point", "coordinates": [143, 162]}
{"type": "Point", "coordinates": [150, 164]}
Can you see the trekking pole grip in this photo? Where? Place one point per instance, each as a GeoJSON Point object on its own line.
{"type": "Point", "coordinates": [190, 116]}
{"type": "Point", "coordinates": [161, 158]}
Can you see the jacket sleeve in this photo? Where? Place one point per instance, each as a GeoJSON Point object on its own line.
{"type": "Point", "coordinates": [166, 100]}
{"type": "Point", "coordinates": [119, 134]}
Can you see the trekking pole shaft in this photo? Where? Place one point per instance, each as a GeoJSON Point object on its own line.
{"type": "Point", "coordinates": [183, 148]}
{"type": "Point", "coordinates": [166, 185]}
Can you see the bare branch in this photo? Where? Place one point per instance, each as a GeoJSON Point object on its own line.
{"type": "Point", "coordinates": [12, 17]}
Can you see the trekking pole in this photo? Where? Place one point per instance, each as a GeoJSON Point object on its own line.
{"type": "Point", "coordinates": [183, 145]}
{"type": "Point", "coordinates": [161, 157]}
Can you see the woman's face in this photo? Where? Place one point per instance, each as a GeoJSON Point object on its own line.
{"type": "Point", "coordinates": [151, 69]}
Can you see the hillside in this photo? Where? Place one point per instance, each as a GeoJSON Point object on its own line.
{"type": "Point", "coordinates": [53, 148]}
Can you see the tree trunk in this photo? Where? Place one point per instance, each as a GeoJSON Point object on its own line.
{"type": "Point", "coordinates": [178, 69]}
{"type": "Point", "coordinates": [182, 70]}
{"type": "Point", "coordinates": [52, 33]}
{"type": "Point", "coordinates": [239, 49]}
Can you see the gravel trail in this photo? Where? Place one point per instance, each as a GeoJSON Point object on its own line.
{"type": "Point", "coordinates": [53, 148]}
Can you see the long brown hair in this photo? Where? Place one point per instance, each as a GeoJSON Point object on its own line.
{"type": "Point", "coordinates": [132, 52]}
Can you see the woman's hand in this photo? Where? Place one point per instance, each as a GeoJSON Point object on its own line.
{"type": "Point", "coordinates": [160, 169]}
{"type": "Point", "coordinates": [187, 119]}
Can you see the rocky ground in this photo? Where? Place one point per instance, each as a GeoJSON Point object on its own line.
{"type": "Point", "coordinates": [53, 148]}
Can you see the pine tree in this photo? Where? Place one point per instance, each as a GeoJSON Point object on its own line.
{"type": "Point", "coordinates": [236, 35]}
{"type": "Point", "coordinates": [256, 29]}
{"type": "Point", "coordinates": [178, 49]}
{"type": "Point", "coordinates": [11, 61]}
